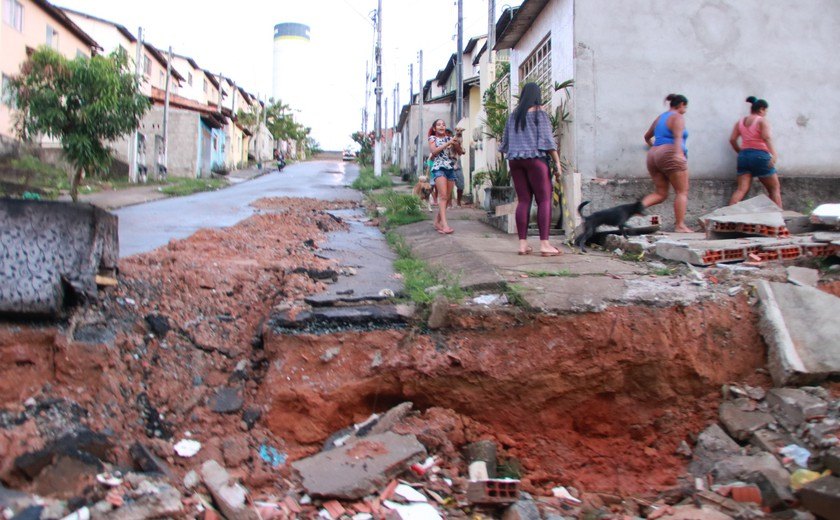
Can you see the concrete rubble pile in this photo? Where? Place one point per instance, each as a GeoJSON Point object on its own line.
{"type": "Point", "coordinates": [775, 454]}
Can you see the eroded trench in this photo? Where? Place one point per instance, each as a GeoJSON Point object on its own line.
{"type": "Point", "coordinates": [599, 401]}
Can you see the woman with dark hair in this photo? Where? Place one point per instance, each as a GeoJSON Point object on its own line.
{"type": "Point", "coordinates": [442, 175]}
{"type": "Point", "coordinates": [527, 139]}
{"type": "Point", "coordinates": [667, 159]}
{"type": "Point", "coordinates": [756, 153]}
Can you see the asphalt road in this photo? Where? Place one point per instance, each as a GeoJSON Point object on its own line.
{"type": "Point", "coordinates": [145, 227]}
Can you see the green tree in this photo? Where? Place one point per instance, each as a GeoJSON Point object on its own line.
{"type": "Point", "coordinates": [83, 102]}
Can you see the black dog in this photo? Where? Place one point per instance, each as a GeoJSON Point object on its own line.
{"type": "Point", "coordinates": [616, 216]}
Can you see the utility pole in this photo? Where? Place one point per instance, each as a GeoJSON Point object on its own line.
{"type": "Point", "coordinates": [410, 83]}
{"type": "Point", "coordinates": [377, 152]}
{"type": "Point", "coordinates": [166, 114]}
{"type": "Point", "coordinates": [459, 65]}
{"type": "Point", "coordinates": [367, 96]}
{"type": "Point", "coordinates": [421, 139]}
{"type": "Point", "coordinates": [491, 36]}
{"type": "Point", "coordinates": [135, 135]}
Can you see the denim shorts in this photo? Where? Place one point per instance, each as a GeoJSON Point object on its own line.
{"type": "Point", "coordinates": [755, 162]}
{"type": "Point", "coordinates": [449, 173]}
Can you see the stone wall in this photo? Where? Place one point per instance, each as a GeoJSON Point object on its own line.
{"type": "Point", "coordinates": [705, 195]}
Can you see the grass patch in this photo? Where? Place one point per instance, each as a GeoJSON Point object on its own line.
{"type": "Point", "coordinates": [400, 208]}
{"type": "Point", "coordinates": [546, 274]}
{"type": "Point", "coordinates": [515, 296]}
{"type": "Point", "coordinates": [418, 277]}
{"type": "Point", "coordinates": [632, 257]}
{"type": "Point", "coordinates": [367, 181]}
{"type": "Point", "coordinates": [178, 187]}
{"type": "Point", "coordinates": [662, 271]}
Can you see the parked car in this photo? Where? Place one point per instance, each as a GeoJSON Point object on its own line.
{"type": "Point", "coordinates": [348, 156]}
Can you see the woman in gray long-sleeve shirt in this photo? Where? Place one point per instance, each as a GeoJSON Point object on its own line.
{"type": "Point", "coordinates": [527, 139]}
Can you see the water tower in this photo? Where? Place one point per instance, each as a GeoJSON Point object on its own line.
{"type": "Point", "coordinates": [291, 64]}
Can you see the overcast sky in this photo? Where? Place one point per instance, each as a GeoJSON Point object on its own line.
{"type": "Point", "coordinates": [236, 38]}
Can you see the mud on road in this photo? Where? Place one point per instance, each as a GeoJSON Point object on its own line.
{"type": "Point", "coordinates": [184, 347]}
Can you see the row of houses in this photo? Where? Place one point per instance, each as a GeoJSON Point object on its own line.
{"type": "Point", "coordinates": [204, 132]}
{"type": "Point", "coordinates": [624, 58]}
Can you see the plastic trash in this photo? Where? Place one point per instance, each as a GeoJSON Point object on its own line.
{"type": "Point", "coordinates": [410, 494]}
{"type": "Point", "coordinates": [799, 454]}
{"type": "Point", "coordinates": [187, 448]}
{"type": "Point", "coordinates": [563, 494]}
{"type": "Point", "coordinates": [800, 477]}
{"type": "Point", "coordinates": [271, 456]}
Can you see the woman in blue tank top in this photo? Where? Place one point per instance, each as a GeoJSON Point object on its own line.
{"type": "Point", "coordinates": [667, 159]}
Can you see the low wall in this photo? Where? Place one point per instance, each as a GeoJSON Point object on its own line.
{"type": "Point", "coordinates": [705, 195]}
{"type": "Point", "coordinates": [51, 252]}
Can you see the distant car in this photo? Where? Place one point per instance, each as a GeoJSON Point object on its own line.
{"type": "Point", "coordinates": [348, 156]}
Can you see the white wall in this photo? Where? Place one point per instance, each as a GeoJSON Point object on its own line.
{"type": "Point", "coordinates": [629, 55]}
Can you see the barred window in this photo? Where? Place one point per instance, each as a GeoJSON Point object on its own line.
{"type": "Point", "coordinates": [537, 68]}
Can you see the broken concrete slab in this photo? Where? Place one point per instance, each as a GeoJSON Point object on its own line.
{"type": "Point", "coordinates": [384, 314]}
{"type": "Point", "coordinates": [758, 204]}
{"type": "Point", "coordinates": [826, 236]}
{"type": "Point", "coordinates": [795, 406]}
{"type": "Point", "coordinates": [50, 249]}
{"type": "Point", "coordinates": [822, 497]}
{"type": "Point", "coordinates": [826, 215]}
{"type": "Point", "coordinates": [227, 400]}
{"type": "Point", "coordinates": [228, 494]}
{"type": "Point", "coordinates": [741, 424]}
{"type": "Point", "coordinates": [762, 469]}
{"type": "Point", "coordinates": [803, 276]}
{"type": "Point", "coordinates": [151, 498]}
{"type": "Point", "coordinates": [801, 329]}
{"type": "Point", "coordinates": [713, 445]}
{"type": "Point", "coordinates": [359, 467]}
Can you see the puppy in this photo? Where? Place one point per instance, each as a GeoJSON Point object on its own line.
{"type": "Point", "coordinates": [616, 216]}
{"type": "Point", "coordinates": [423, 190]}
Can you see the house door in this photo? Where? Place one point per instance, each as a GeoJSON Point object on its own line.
{"type": "Point", "coordinates": [206, 153]}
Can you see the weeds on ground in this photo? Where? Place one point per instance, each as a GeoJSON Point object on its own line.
{"type": "Point", "coordinates": [546, 274]}
{"type": "Point", "coordinates": [367, 181]}
{"type": "Point", "coordinates": [514, 295]}
{"type": "Point", "coordinates": [663, 271]}
{"type": "Point", "coordinates": [632, 257]}
{"type": "Point", "coordinates": [33, 175]}
{"type": "Point", "coordinates": [418, 277]}
{"type": "Point", "coordinates": [179, 187]}
{"type": "Point", "coordinates": [400, 208]}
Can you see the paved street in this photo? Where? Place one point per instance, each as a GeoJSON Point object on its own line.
{"type": "Point", "coordinates": [147, 226]}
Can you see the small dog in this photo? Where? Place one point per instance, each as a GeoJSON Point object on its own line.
{"type": "Point", "coordinates": [423, 190]}
{"type": "Point", "coordinates": [616, 216]}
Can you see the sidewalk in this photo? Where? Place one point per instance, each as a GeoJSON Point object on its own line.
{"type": "Point", "coordinates": [483, 258]}
{"type": "Point", "coordinates": [115, 199]}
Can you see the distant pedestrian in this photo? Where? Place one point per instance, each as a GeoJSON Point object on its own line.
{"type": "Point", "coordinates": [527, 140]}
{"type": "Point", "coordinates": [442, 174]}
{"type": "Point", "coordinates": [667, 159]}
{"type": "Point", "coordinates": [756, 153]}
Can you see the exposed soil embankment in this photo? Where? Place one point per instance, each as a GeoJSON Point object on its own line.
{"type": "Point", "coordinates": [600, 401]}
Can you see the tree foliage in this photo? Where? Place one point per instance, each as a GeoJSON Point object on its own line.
{"type": "Point", "coordinates": [83, 102]}
{"type": "Point", "coordinates": [365, 142]}
{"type": "Point", "coordinates": [280, 122]}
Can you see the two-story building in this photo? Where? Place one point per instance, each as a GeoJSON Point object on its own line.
{"type": "Point", "coordinates": [27, 25]}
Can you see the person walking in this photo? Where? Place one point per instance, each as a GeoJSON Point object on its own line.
{"type": "Point", "coordinates": [756, 153]}
{"type": "Point", "coordinates": [667, 159]}
{"type": "Point", "coordinates": [442, 175]}
{"type": "Point", "coordinates": [527, 139]}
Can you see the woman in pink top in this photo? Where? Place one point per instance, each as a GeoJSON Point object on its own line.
{"type": "Point", "coordinates": [756, 154]}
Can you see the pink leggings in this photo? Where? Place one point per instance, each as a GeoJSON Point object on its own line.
{"type": "Point", "coordinates": [531, 178]}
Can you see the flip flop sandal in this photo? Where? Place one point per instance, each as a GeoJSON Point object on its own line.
{"type": "Point", "coordinates": [526, 252]}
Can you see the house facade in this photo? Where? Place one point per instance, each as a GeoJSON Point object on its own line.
{"type": "Point", "coordinates": [626, 57]}
{"type": "Point", "coordinates": [27, 25]}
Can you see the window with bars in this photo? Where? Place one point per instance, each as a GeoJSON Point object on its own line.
{"type": "Point", "coordinates": [537, 68]}
{"type": "Point", "coordinates": [147, 66]}
{"type": "Point", "coordinates": [13, 14]}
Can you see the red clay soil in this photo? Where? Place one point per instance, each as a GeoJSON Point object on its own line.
{"type": "Point", "coordinates": [212, 290]}
{"type": "Point", "coordinates": [599, 401]}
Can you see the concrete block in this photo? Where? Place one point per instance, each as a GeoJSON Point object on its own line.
{"type": "Point", "coordinates": [795, 406]}
{"type": "Point", "coordinates": [822, 497]}
{"type": "Point", "coordinates": [797, 223]}
{"type": "Point", "coordinates": [228, 494]}
{"type": "Point", "coordinates": [741, 424]}
{"type": "Point", "coordinates": [359, 467]}
{"type": "Point", "coordinates": [826, 236]}
{"type": "Point", "coordinates": [493, 491]}
{"type": "Point", "coordinates": [801, 329]}
{"type": "Point", "coordinates": [763, 470]}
